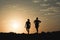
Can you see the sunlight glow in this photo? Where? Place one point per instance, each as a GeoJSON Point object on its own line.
{"type": "Point", "coordinates": [15, 25]}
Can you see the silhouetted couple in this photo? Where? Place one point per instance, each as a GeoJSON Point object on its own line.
{"type": "Point", "coordinates": [28, 24]}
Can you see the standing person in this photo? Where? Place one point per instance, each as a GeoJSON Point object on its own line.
{"type": "Point", "coordinates": [28, 24]}
{"type": "Point", "coordinates": [36, 22]}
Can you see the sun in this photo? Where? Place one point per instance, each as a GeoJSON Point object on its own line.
{"type": "Point", "coordinates": [15, 25]}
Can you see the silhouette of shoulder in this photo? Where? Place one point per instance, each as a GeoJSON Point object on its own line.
{"type": "Point", "coordinates": [37, 21]}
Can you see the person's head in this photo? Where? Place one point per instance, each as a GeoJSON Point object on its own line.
{"type": "Point", "coordinates": [37, 18]}
{"type": "Point", "coordinates": [28, 19]}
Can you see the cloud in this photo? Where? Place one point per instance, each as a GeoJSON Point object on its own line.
{"type": "Point", "coordinates": [44, 5]}
{"type": "Point", "coordinates": [58, 3]}
{"type": "Point", "coordinates": [49, 3]}
{"type": "Point", "coordinates": [44, 10]}
{"type": "Point", "coordinates": [45, 0]}
{"type": "Point", "coordinates": [51, 8]}
{"type": "Point", "coordinates": [52, 11]}
{"type": "Point", "coordinates": [35, 1]}
{"type": "Point", "coordinates": [49, 14]}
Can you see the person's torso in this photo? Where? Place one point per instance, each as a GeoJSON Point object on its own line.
{"type": "Point", "coordinates": [28, 23]}
{"type": "Point", "coordinates": [37, 22]}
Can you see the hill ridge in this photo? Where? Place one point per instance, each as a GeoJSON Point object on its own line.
{"type": "Point", "coordinates": [35, 36]}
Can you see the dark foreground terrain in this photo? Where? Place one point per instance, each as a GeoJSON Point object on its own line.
{"type": "Point", "coordinates": [35, 36]}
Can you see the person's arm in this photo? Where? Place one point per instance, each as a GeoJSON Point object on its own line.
{"type": "Point", "coordinates": [30, 24]}
{"type": "Point", "coordinates": [25, 25]}
{"type": "Point", "coordinates": [40, 21]}
{"type": "Point", "coordinates": [34, 21]}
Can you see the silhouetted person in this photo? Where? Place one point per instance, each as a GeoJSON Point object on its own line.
{"type": "Point", "coordinates": [36, 22]}
{"type": "Point", "coordinates": [28, 24]}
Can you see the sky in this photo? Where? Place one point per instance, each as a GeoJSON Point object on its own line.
{"type": "Point", "coordinates": [14, 14]}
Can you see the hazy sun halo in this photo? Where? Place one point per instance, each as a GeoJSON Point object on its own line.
{"type": "Point", "coordinates": [15, 25]}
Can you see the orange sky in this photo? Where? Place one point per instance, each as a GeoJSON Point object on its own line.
{"type": "Point", "coordinates": [14, 13]}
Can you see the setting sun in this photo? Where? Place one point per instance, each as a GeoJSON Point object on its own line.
{"type": "Point", "coordinates": [15, 25]}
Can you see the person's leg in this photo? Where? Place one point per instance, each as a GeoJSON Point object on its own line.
{"type": "Point", "coordinates": [36, 26]}
{"type": "Point", "coordinates": [28, 31]}
{"type": "Point", "coordinates": [37, 30]}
